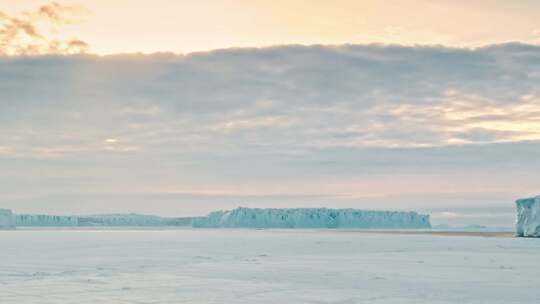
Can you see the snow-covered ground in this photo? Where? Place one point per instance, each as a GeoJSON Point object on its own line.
{"type": "Point", "coordinates": [264, 266]}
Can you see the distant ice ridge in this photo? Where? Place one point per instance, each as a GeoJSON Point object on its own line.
{"type": "Point", "coordinates": [312, 218]}
{"type": "Point", "coordinates": [6, 219]}
{"type": "Point", "coordinates": [41, 220]}
{"type": "Point", "coordinates": [528, 217]}
{"type": "Point", "coordinates": [131, 219]}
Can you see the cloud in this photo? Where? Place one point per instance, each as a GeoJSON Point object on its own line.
{"type": "Point", "coordinates": [30, 33]}
{"type": "Point", "coordinates": [468, 119]}
{"type": "Point", "coordinates": [357, 123]}
{"type": "Point", "coordinates": [59, 13]}
{"type": "Point", "coordinates": [284, 99]}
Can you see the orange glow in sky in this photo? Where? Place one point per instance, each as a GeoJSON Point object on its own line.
{"type": "Point", "coordinates": [126, 26]}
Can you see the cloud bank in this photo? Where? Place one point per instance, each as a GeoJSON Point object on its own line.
{"type": "Point", "coordinates": [29, 33]}
{"type": "Point", "coordinates": [351, 123]}
{"type": "Point", "coordinates": [291, 97]}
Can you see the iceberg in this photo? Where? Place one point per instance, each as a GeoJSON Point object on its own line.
{"type": "Point", "coordinates": [6, 219]}
{"type": "Point", "coordinates": [528, 217]}
{"type": "Point", "coordinates": [109, 220]}
{"type": "Point", "coordinates": [131, 219]}
{"type": "Point", "coordinates": [312, 218]}
{"type": "Point", "coordinates": [42, 220]}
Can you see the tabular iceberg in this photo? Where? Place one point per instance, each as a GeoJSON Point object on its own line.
{"type": "Point", "coordinates": [311, 218]}
{"type": "Point", "coordinates": [528, 217]}
{"type": "Point", "coordinates": [6, 219]}
{"type": "Point", "coordinates": [42, 220]}
{"type": "Point", "coordinates": [131, 219]}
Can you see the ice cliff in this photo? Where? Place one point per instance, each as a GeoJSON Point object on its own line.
{"type": "Point", "coordinates": [528, 217]}
{"type": "Point", "coordinates": [6, 219]}
{"type": "Point", "coordinates": [41, 220]}
{"type": "Point", "coordinates": [131, 219]}
{"type": "Point", "coordinates": [311, 218]}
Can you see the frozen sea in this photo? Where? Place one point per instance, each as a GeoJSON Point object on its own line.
{"type": "Point", "coordinates": [264, 266]}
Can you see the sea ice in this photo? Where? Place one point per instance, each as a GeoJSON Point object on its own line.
{"type": "Point", "coordinates": [296, 266]}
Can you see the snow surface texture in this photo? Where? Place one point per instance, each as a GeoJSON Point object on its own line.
{"type": "Point", "coordinates": [6, 219]}
{"type": "Point", "coordinates": [311, 218]}
{"type": "Point", "coordinates": [211, 266]}
{"type": "Point", "coordinates": [528, 217]}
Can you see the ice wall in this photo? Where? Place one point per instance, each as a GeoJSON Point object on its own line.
{"type": "Point", "coordinates": [6, 219]}
{"type": "Point", "coordinates": [42, 220]}
{"type": "Point", "coordinates": [311, 218]}
{"type": "Point", "coordinates": [122, 220]}
{"type": "Point", "coordinates": [528, 217]}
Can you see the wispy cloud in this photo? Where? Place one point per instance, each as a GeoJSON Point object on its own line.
{"type": "Point", "coordinates": [465, 119]}
{"type": "Point", "coordinates": [31, 33]}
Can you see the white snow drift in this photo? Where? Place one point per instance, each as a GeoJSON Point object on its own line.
{"type": "Point", "coordinates": [6, 219]}
{"type": "Point", "coordinates": [312, 218]}
{"type": "Point", "coordinates": [528, 217]}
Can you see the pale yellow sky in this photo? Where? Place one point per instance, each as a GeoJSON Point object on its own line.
{"type": "Point", "coordinates": [120, 26]}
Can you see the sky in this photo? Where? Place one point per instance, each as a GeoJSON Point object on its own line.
{"type": "Point", "coordinates": [181, 107]}
{"type": "Point", "coordinates": [183, 26]}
